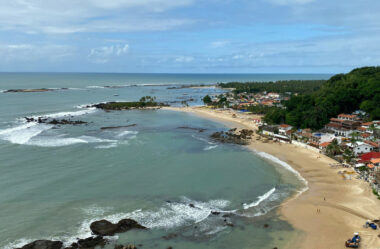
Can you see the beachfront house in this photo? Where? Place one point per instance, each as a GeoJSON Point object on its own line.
{"type": "Point", "coordinates": [270, 130]}
{"type": "Point", "coordinates": [360, 147]}
{"type": "Point", "coordinates": [283, 129]}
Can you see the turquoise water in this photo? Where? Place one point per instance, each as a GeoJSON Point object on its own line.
{"type": "Point", "coordinates": [55, 180]}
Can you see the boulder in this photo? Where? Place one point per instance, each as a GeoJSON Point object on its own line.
{"type": "Point", "coordinates": [91, 242]}
{"type": "Point", "coordinates": [106, 228]}
{"type": "Point", "coordinates": [43, 244]}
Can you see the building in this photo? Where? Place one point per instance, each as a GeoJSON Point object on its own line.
{"type": "Point", "coordinates": [351, 117]}
{"type": "Point", "coordinates": [270, 130]}
{"type": "Point", "coordinates": [360, 147]}
{"type": "Point", "coordinates": [283, 128]}
{"type": "Point", "coordinates": [344, 125]}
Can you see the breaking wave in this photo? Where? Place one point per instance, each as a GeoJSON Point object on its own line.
{"type": "Point", "coordinates": [260, 199]}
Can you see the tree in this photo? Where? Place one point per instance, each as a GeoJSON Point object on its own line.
{"type": "Point", "coordinates": [207, 100]}
{"type": "Point", "coordinates": [333, 148]}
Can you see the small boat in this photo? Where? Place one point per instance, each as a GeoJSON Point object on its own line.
{"type": "Point", "coordinates": [116, 95]}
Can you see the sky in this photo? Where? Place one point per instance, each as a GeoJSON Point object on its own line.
{"type": "Point", "coordinates": [189, 36]}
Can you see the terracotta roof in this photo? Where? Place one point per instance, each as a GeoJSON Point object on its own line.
{"type": "Point", "coordinates": [361, 129]}
{"type": "Point", "coordinates": [325, 144]}
{"type": "Point", "coordinates": [334, 125]}
{"type": "Point", "coordinates": [347, 116]}
{"type": "Point", "coordinates": [336, 120]}
{"type": "Point", "coordinates": [376, 160]}
{"type": "Point", "coordinates": [365, 135]}
{"type": "Point", "coordinates": [371, 166]}
{"type": "Point", "coordinates": [371, 143]}
{"type": "Point", "coordinates": [368, 123]}
{"type": "Point", "coordinates": [285, 126]}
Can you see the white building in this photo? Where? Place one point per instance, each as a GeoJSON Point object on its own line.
{"type": "Point", "coordinates": [360, 147]}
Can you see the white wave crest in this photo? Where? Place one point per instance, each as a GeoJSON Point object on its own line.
{"type": "Point", "coordinates": [23, 133]}
{"type": "Point", "coordinates": [260, 199]}
{"type": "Point", "coordinates": [68, 114]}
{"type": "Point", "coordinates": [210, 147]}
{"type": "Point", "coordinates": [286, 166]}
{"type": "Point", "coordinates": [130, 134]}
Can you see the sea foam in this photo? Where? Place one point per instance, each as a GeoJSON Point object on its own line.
{"type": "Point", "coordinates": [260, 199]}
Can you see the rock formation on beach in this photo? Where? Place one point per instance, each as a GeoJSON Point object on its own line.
{"type": "Point", "coordinates": [233, 136]}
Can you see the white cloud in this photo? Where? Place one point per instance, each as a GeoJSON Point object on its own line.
{"type": "Point", "coordinates": [219, 44]}
{"type": "Point", "coordinates": [72, 16]}
{"type": "Point", "coordinates": [104, 54]}
{"type": "Point", "coordinates": [290, 2]}
{"type": "Point", "coordinates": [184, 59]}
{"type": "Point", "coordinates": [19, 53]}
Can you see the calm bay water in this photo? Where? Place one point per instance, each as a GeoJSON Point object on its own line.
{"type": "Point", "coordinates": [55, 180]}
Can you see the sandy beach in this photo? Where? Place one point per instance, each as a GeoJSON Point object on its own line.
{"type": "Point", "coordinates": [344, 205]}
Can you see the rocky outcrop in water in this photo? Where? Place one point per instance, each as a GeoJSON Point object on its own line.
{"type": "Point", "coordinates": [233, 136]}
{"type": "Point", "coordinates": [43, 244]}
{"type": "Point", "coordinates": [130, 246]}
{"type": "Point", "coordinates": [53, 121]}
{"type": "Point", "coordinates": [117, 127]}
{"type": "Point", "coordinates": [100, 228]}
{"type": "Point", "coordinates": [106, 228]}
{"type": "Point", "coordinates": [192, 128]}
{"type": "Point", "coordinates": [34, 90]}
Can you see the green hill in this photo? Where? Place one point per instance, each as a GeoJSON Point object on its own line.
{"type": "Point", "coordinates": [342, 93]}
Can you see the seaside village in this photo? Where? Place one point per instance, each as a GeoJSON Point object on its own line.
{"type": "Point", "coordinates": [347, 138]}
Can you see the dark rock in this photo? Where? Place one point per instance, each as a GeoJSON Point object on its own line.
{"type": "Point", "coordinates": [170, 236]}
{"type": "Point", "coordinates": [266, 225]}
{"type": "Point", "coordinates": [117, 127]}
{"type": "Point", "coordinates": [130, 246]}
{"type": "Point", "coordinates": [191, 205]}
{"type": "Point", "coordinates": [28, 90]}
{"type": "Point", "coordinates": [106, 228]}
{"type": "Point", "coordinates": [42, 120]}
{"type": "Point", "coordinates": [233, 136]}
{"type": "Point", "coordinates": [192, 128]}
{"type": "Point", "coordinates": [43, 244]}
{"type": "Point", "coordinates": [92, 242]}
{"type": "Point", "coordinates": [215, 213]}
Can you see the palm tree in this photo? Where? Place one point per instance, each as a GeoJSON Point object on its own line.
{"type": "Point", "coordinates": [333, 148]}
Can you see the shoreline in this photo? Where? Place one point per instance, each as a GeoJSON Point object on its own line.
{"type": "Point", "coordinates": [344, 205]}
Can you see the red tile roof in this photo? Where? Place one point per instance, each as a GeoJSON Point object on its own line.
{"type": "Point", "coordinates": [347, 115]}
{"type": "Point", "coordinates": [365, 135]}
{"type": "Point", "coordinates": [361, 129]}
{"type": "Point", "coordinates": [368, 156]}
{"type": "Point", "coordinates": [371, 143]}
{"type": "Point", "coordinates": [285, 126]}
{"type": "Point", "coordinates": [325, 144]}
{"type": "Point", "coordinates": [368, 123]}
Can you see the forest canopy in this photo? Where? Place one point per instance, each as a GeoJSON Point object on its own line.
{"type": "Point", "coordinates": [342, 93]}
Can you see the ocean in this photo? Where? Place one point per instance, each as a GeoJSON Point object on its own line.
{"type": "Point", "coordinates": [56, 179]}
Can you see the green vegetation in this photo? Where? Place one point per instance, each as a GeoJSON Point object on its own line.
{"type": "Point", "coordinates": [375, 193]}
{"type": "Point", "coordinates": [343, 93]}
{"type": "Point", "coordinates": [146, 101]}
{"type": "Point", "coordinates": [207, 100]}
{"type": "Point", "coordinates": [288, 86]}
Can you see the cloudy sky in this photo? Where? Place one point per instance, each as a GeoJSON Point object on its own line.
{"type": "Point", "coordinates": [200, 36]}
